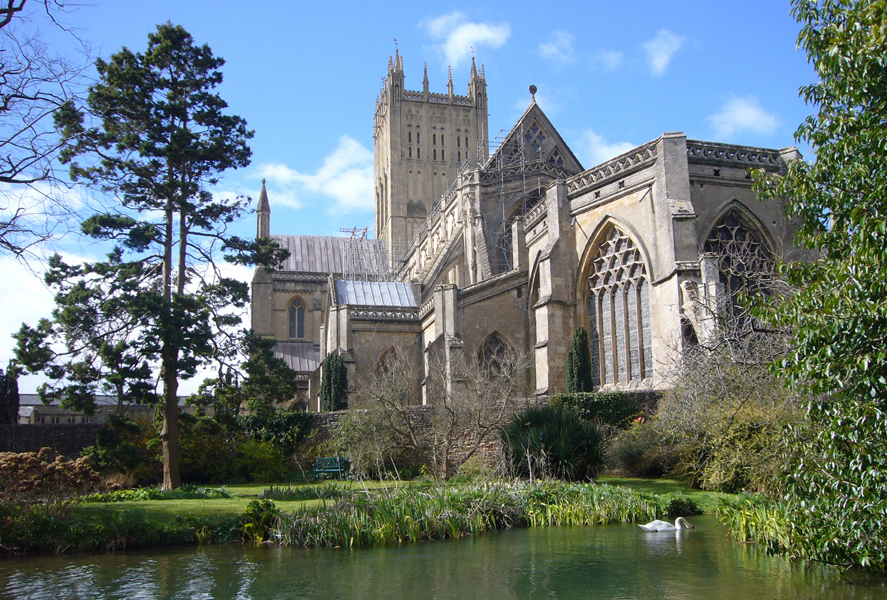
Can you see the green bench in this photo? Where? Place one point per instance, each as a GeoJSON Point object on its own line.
{"type": "Point", "coordinates": [328, 467]}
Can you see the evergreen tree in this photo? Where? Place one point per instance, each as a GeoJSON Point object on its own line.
{"type": "Point", "coordinates": [333, 383]}
{"type": "Point", "coordinates": [9, 398]}
{"type": "Point", "coordinates": [155, 138]}
{"type": "Point", "coordinates": [579, 363]}
{"type": "Point", "coordinates": [837, 492]}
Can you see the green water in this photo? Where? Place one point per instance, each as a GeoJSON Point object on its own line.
{"type": "Point", "coordinates": [618, 561]}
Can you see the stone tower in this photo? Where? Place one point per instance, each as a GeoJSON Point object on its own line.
{"type": "Point", "coordinates": [421, 140]}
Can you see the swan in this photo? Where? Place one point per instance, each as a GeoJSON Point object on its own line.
{"type": "Point", "coordinates": [681, 523]}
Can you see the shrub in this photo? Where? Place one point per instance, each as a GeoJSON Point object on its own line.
{"type": "Point", "coordinates": [616, 409]}
{"type": "Point", "coordinates": [579, 364]}
{"type": "Point", "coordinates": [31, 477]}
{"type": "Point", "coordinates": [637, 451]}
{"type": "Point", "coordinates": [333, 383]}
{"type": "Point", "coordinates": [552, 441]}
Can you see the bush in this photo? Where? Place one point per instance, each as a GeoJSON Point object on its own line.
{"type": "Point", "coordinates": [31, 477]}
{"type": "Point", "coordinates": [550, 441]}
{"type": "Point", "coordinates": [615, 409]}
{"type": "Point", "coordinates": [638, 452]}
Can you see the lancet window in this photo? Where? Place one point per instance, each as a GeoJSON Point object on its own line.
{"type": "Point", "coordinates": [619, 313]}
{"type": "Point", "coordinates": [297, 319]}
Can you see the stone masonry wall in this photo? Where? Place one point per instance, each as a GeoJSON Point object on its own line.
{"type": "Point", "coordinates": [67, 440]}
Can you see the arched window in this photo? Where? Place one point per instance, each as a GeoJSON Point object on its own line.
{"type": "Point", "coordinates": [434, 139]}
{"type": "Point", "coordinates": [619, 313]}
{"type": "Point", "coordinates": [435, 155]}
{"type": "Point", "coordinates": [443, 155]}
{"type": "Point", "coordinates": [409, 137]}
{"type": "Point", "coordinates": [744, 261]}
{"type": "Point", "coordinates": [442, 140]}
{"type": "Point", "coordinates": [417, 136]}
{"type": "Point", "coordinates": [411, 152]}
{"type": "Point", "coordinates": [418, 150]}
{"type": "Point", "coordinates": [297, 319]}
{"type": "Point", "coordinates": [492, 353]}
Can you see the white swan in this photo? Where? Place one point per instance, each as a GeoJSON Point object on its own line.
{"type": "Point", "coordinates": [681, 523]}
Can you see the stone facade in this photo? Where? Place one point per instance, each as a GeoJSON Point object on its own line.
{"type": "Point", "coordinates": [519, 248]}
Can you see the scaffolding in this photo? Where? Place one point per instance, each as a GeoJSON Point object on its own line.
{"type": "Point", "coordinates": [371, 260]}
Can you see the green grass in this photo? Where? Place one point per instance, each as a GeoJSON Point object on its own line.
{"type": "Point", "coordinates": [241, 495]}
{"type": "Point", "coordinates": [707, 501]}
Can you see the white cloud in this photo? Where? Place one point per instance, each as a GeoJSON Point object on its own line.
{"type": "Point", "coordinates": [661, 49]}
{"type": "Point", "coordinates": [559, 49]}
{"type": "Point", "coordinates": [345, 177]}
{"type": "Point", "coordinates": [458, 36]}
{"type": "Point", "coordinates": [606, 60]}
{"type": "Point", "coordinates": [740, 115]}
{"type": "Point", "coordinates": [549, 100]}
{"type": "Point", "coordinates": [593, 149]}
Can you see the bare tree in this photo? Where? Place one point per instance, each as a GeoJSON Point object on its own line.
{"type": "Point", "coordinates": [466, 402]}
{"type": "Point", "coordinates": [35, 82]}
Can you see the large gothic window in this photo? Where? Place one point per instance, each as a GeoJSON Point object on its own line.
{"type": "Point", "coordinates": [744, 262]}
{"type": "Point", "coordinates": [492, 353]}
{"type": "Point", "coordinates": [297, 319]}
{"type": "Point", "coordinates": [619, 313]}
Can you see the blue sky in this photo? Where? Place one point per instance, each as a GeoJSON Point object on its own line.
{"type": "Point", "coordinates": [305, 76]}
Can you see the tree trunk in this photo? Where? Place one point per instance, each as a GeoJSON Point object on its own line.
{"type": "Point", "coordinates": [169, 435]}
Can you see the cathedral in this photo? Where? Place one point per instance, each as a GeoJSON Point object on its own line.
{"type": "Point", "coordinates": [481, 248]}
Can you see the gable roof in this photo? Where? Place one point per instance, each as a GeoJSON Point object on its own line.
{"type": "Point", "coordinates": [540, 142]}
{"type": "Point", "coordinates": [303, 357]}
{"type": "Point", "coordinates": [326, 254]}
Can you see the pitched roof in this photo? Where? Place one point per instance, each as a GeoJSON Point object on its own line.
{"type": "Point", "coordinates": [326, 254]}
{"type": "Point", "coordinates": [541, 142]}
{"type": "Point", "coordinates": [303, 357]}
{"type": "Point", "coordinates": [375, 293]}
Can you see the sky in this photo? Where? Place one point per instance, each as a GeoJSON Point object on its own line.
{"type": "Point", "coordinates": [305, 76]}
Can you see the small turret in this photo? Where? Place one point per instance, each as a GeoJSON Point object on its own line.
{"type": "Point", "coordinates": [263, 215]}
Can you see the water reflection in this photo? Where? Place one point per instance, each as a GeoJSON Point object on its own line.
{"type": "Point", "coordinates": [618, 562]}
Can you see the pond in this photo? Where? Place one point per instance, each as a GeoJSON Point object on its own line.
{"type": "Point", "coordinates": [614, 562]}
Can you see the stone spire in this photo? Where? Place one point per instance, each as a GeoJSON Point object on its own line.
{"type": "Point", "coordinates": [425, 80]}
{"type": "Point", "coordinates": [450, 82]}
{"type": "Point", "coordinates": [473, 69]}
{"type": "Point", "coordinates": [263, 215]}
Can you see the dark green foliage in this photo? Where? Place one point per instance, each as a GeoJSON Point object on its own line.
{"type": "Point", "coordinates": [553, 441]}
{"type": "Point", "coordinates": [837, 490]}
{"type": "Point", "coordinates": [9, 399]}
{"type": "Point", "coordinates": [285, 430]}
{"type": "Point", "coordinates": [261, 381]}
{"type": "Point", "coordinates": [616, 409]}
{"type": "Point", "coordinates": [579, 364]}
{"type": "Point", "coordinates": [333, 384]}
{"type": "Point", "coordinates": [639, 452]}
{"type": "Point", "coordinates": [186, 492]}
{"type": "Point", "coordinates": [258, 520]}
{"type": "Point", "coordinates": [117, 447]}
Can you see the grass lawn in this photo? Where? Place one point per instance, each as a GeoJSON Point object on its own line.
{"type": "Point", "coordinates": [242, 494]}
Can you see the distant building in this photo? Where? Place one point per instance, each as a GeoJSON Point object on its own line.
{"type": "Point", "coordinates": [517, 247]}
{"type": "Point", "coordinates": [32, 411]}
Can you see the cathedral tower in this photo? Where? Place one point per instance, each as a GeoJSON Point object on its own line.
{"type": "Point", "coordinates": [421, 140]}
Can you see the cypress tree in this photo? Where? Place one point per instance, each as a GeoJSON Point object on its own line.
{"type": "Point", "coordinates": [579, 363]}
{"type": "Point", "coordinates": [9, 399]}
{"type": "Point", "coordinates": [333, 383]}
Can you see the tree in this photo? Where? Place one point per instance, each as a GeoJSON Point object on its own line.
{"type": "Point", "coordinates": [838, 488]}
{"type": "Point", "coordinates": [467, 402]}
{"type": "Point", "coordinates": [333, 383]}
{"type": "Point", "coordinates": [579, 363]}
{"type": "Point", "coordinates": [9, 399]}
{"type": "Point", "coordinates": [36, 83]}
{"type": "Point", "coordinates": [257, 384]}
{"type": "Point", "coordinates": [155, 137]}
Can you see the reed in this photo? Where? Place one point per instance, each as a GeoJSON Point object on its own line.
{"type": "Point", "coordinates": [758, 520]}
{"type": "Point", "coordinates": [411, 514]}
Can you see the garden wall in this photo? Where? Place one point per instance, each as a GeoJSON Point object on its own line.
{"type": "Point", "coordinates": [68, 440]}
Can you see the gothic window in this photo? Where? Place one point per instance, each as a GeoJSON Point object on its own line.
{"type": "Point", "coordinates": [492, 353]}
{"type": "Point", "coordinates": [434, 139]}
{"type": "Point", "coordinates": [411, 152]}
{"type": "Point", "coordinates": [619, 313]}
{"type": "Point", "coordinates": [418, 150]}
{"type": "Point", "coordinates": [466, 141]}
{"type": "Point", "coordinates": [458, 142]}
{"type": "Point", "coordinates": [435, 155]}
{"type": "Point", "coordinates": [417, 137]}
{"type": "Point", "coordinates": [409, 137]}
{"type": "Point", "coordinates": [742, 258]}
{"type": "Point", "coordinates": [459, 156]}
{"type": "Point", "coordinates": [443, 156]}
{"type": "Point", "coordinates": [442, 140]}
{"type": "Point", "coordinates": [556, 159]}
{"type": "Point", "coordinates": [297, 319]}
{"type": "Point", "coordinates": [534, 138]}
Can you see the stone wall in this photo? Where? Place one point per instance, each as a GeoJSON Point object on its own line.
{"type": "Point", "coordinates": [67, 440]}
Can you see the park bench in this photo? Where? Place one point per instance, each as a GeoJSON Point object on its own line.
{"type": "Point", "coordinates": [329, 466]}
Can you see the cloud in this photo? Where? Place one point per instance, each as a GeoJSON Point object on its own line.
{"type": "Point", "coordinates": [661, 49]}
{"type": "Point", "coordinates": [549, 100]}
{"type": "Point", "coordinates": [345, 177]}
{"type": "Point", "coordinates": [559, 49]}
{"type": "Point", "coordinates": [741, 115]}
{"type": "Point", "coordinates": [593, 149]}
{"type": "Point", "coordinates": [458, 36]}
{"type": "Point", "coordinates": [606, 60]}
